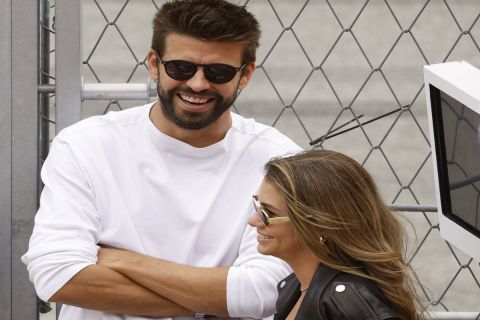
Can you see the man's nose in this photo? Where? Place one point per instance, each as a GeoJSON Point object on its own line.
{"type": "Point", "coordinates": [198, 82]}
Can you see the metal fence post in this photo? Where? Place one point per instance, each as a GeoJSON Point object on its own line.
{"type": "Point", "coordinates": [5, 158]}
{"type": "Point", "coordinates": [68, 56]}
{"type": "Point", "coordinates": [18, 144]}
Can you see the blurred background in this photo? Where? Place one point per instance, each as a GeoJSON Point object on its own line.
{"type": "Point", "coordinates": [323, 66]}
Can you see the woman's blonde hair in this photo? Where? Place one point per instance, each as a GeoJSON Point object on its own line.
{"type": "Point", "coordinates": [338, 214]}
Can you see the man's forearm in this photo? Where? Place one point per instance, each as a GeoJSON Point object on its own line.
{"type": "Point", "coordinates": [200, 289]}
{"type": "Point", "coordinates": [99, 288]}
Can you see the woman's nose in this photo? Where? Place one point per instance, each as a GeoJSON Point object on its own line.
{"type": "Point", "coordinates": [254, 220]}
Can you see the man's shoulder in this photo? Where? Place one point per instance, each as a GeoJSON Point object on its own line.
{"type": "Point", "coordinates": [101, 126]}
{"type": "Point", "coordinates": [262, 135]}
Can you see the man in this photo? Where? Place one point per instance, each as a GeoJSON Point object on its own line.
{"type": "Point", "coordinates": [169, 183]}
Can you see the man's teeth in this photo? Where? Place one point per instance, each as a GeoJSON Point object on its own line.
{"type": "Point", "coordinates": [261, 236]}
{"type": "Point", "coordinates": [194, 99]}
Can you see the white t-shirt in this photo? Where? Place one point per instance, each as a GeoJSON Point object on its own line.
{"type": "Point", "coordinates": [117, 180]}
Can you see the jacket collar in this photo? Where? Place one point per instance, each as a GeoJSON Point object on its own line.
{"type": "Point", "coordinates": [289, 293]}
{"type": "Point", "coordinates": [322, 277]}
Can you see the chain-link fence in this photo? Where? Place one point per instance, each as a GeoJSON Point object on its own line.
{"type": "Point", "coordinates": [337, 74]}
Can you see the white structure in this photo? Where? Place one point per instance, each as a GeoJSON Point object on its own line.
{"type": "Point", "coordinates": [453, 100]}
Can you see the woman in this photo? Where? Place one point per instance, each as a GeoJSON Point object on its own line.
{"type": "Point", "coordinates": [321, 212]}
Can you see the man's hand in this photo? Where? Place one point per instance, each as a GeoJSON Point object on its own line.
{"type": "Point", "coordinates": [200, 289]}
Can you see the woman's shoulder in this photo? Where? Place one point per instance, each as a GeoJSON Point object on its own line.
{"type": "Point", "coordinates": [333, 294]}
{"type": "Point", "coordinates": [348, 296]}
{"type": "Point", "coordinates": [358, 296]}
{"type": "Point", "coordinates": [339, 295]}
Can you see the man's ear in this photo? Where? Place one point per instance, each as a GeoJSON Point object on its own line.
{"type": "Point", "coordinates": [152, 64]}
{"type": "Point", "coordinates": [246, 75]}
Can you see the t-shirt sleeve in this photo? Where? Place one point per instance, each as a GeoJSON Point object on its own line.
{"type": "Point", "coordinates": [252, 280]}
{"type": "Point", "coordinates": [66, 227]}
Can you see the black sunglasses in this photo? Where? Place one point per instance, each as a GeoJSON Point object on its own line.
{"type": "Point", "coordinates": [218, 73]}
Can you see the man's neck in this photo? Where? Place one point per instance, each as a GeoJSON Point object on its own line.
{"type": "Point", "coordinates": [200, 138]}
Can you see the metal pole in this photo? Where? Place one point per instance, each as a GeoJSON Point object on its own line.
{"type": "Point", "coordinates": [118, 91]}
{"type": "Point", "coordinates": [43, 103]}
{"type": "Point", "coordinates": [43, 99]}
{"type": "Point", "coordinates": [6, 158]}
{"type": "Point", "coordinates": [68, 62]}
{"type": "Point", "coordinates": [454, 315]}
{"type": "Point", "coordinates": [24, 152]}
{"type": "Point", "coordinates": [110, 91]}
{"type": "Point", "coordinates": [413, 208]}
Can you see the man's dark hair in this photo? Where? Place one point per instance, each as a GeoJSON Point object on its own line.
{"type": "Point", "coordinates": [209, 20]}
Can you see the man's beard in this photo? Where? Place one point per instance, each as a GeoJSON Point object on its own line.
{"type": "Point", "coordinates": [193, 120]}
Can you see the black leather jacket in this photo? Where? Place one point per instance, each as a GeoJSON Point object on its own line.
{"type": "Point", "coordinates": [333, 295]}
